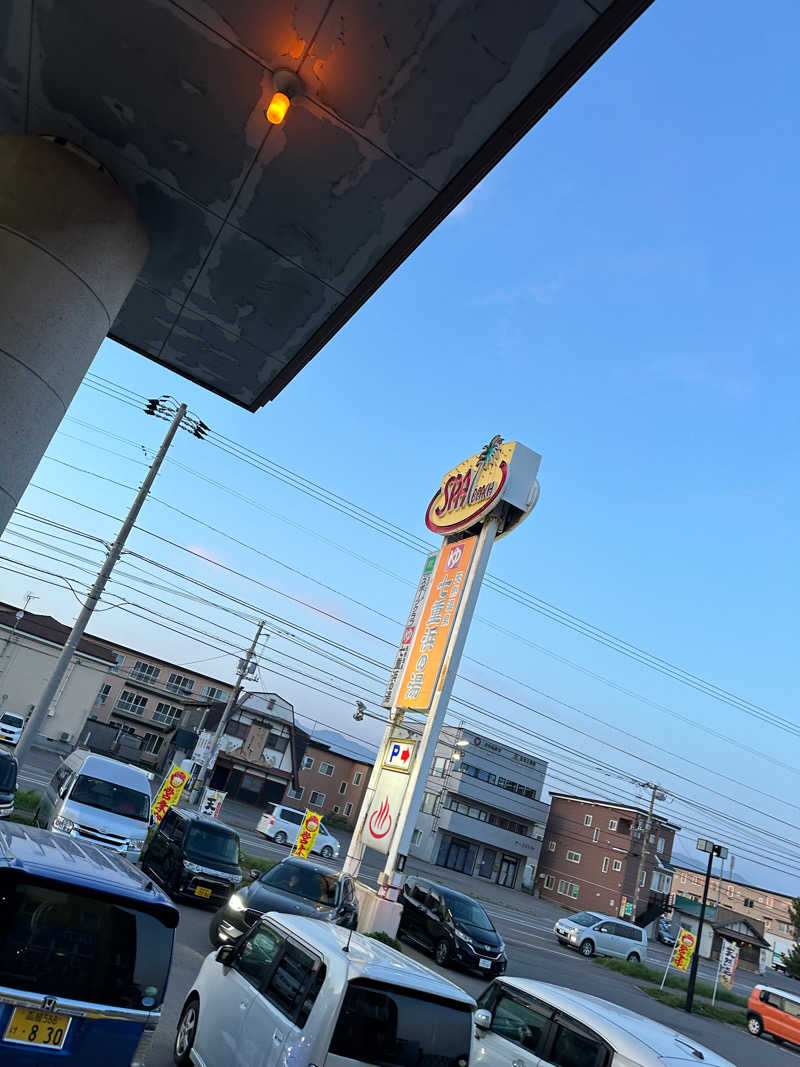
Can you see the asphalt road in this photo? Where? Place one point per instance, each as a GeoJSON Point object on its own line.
{"type": "Point", "coordinates": [532, 950]}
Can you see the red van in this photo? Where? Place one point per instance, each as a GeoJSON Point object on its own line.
{"type": "Point", "coordinates": [774, 1012]}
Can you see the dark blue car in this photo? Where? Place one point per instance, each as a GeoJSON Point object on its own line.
{"type": "Point", "coordinates": [85, 951]}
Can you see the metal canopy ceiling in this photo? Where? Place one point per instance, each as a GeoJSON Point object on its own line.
{"type": "Point", "coordinates": [265, 240]}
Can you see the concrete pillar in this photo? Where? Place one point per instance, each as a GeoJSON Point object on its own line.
{"type": "Point", "coordinates": [71, 247]}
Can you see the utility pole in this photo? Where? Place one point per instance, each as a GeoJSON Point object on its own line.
{"type": "Point", "coordinates": [115, 551]}
{"type": "Point", "coordinates": [713, 850]}
{"type": "Point", "coordinates": [207, 765]}
{"type": "Point", "coordinates": [655, 794]}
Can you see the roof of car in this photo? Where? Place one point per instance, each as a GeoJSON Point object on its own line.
{"type": "Point", "coordinates": [643, 1040]}
{"type": "Point", "coordinates": [446, 890]}
{"type": "Point", "coordinates": [779, 992]}
{"type": "Point", "coordinates": [43, 854]}
{"type": "Point", "coordinates": [198, 816]}
{"type": "Point", "coordinates": [309, 864]}
{"type": "Point", "coordinates": [6, 753]}
{"type": "Point", "coordinates": [123, 773]}
{"type": "Point", "coordinates": [365, 957]}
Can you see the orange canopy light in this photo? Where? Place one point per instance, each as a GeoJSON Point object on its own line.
{"type": "Point", "coordinates": [278, 106]}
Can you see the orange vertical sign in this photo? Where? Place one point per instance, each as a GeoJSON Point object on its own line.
{"type": "Point", "coordinates": [424, 663]}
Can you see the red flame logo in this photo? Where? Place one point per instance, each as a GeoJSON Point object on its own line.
{"type": "Point", "coordinates": [380, 821]}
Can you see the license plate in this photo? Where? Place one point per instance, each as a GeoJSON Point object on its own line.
{"type": "Point", "coordinates": [486, 964]}
{"type": "Point", "coordinates": [202, 891]}
{"type": "Point", "coordinates": [29, 1027]}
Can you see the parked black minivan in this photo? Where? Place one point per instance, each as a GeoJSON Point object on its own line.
{"type": "Point", "coordinates": [8, 782]}
{"type": "Point", "coordinates": [454, 927]}
{"type": "Point", "coordinates": [192, 855]}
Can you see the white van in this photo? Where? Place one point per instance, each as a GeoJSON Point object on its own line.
{"type": "Point", "coordinates": [297, 991]}
{"type": "Point", "coordinates": [282, 825]}
{"type": "Point", "coordinates": [93, 798]}
{"type": "Point", "coordinates": [593, 933]}
{"type": "Point", "coordinates": [11, 727]}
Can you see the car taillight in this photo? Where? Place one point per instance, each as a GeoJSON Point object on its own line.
{"type": "Point", "coordinates": [271, 821]}
{"type": "Point", "coordinates": [140, 1055]}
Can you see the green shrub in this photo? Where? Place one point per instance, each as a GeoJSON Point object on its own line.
{"type": "Point", "coordinates": [254, 863]}
{"type": "Point", "coordinates": [674, 981]}
{"type": "Point", "coordinates": [734, 1016]}
{"type": "Point", "coordinates": [392, 942]}
{"type": "Point", "coordinates": [337, 822]}
{"type": "Point", "coordinates": [27, 800]}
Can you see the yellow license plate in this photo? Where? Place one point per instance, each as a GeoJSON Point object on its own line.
{"type": "Point", "coordinates": [202, 891]}
{"type": "Point", "coordinates": [29, 1027]}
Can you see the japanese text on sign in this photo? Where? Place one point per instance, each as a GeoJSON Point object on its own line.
{"type": "Point", "coordinates": [211, 804]}
{"type": "Point", "coordinates": [307, 835]}
{"type": "Point", "coordinates": [410, 629]}
{"type": "Point", "coordinates": [170, 792]}
{"type": "Point", "coordinates": [728, 959]}
{"type": "Point", "coordinates": [683, 950]}
{"type": "Point", "coordinates": [430, 641]}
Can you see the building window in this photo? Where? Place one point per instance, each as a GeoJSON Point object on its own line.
{"type": "Point", "coordinates": [596, 834]}
{"type": "Point", "coordinates": [695, 879]}
{"type": "Point", "coordinates": [179, 683]}
{"type": "Point", "coordinates": [336, 809]}
{"type": "Point", "coordinates": [342, 787]}
{"type": "Point", "coordinates": [683, 877]}
{"type": "Point", "coordinates": [643, 879]}
{"type": "Point", "coordinates": [770, 902]}
{"type": "Point", "coordinates": [783, 928]}
{"type": "Point", "coordinates": [357, 777]}
{"type": "Point", "coordinates": [326, 769]}
{"type": "Point", "coordinates": [573, 857]}
{"type": "Point", "coordinates": [144, 672]}
{"type": "Point", "coordinates": [237, 728]}
{"type": "Point", "coordinates": [612, 824]}
{"type": "Point", "coordinates": [416, 837]}
{"type": "Point", "coordinates": [251, 783]}
{"type": "Point", "coordinates": [277, 742]}
{"type": "Point", "coordinates": [616, 865]}
{"type": "Point", "coordinates": [348, 808]}
{"type": "Point", "coordinates": [661, 883]}
{"type": "Point", "coordinates": [120, 659]}
{"type": "Point", "coordinates": [210, 692]}
{"type": "Point", "coordinates": [429, 803]}
{"type": "Point", "coordinates": [307, 763]}
{"type": "Point", "coordinates": [587, 820]}
{"type": "Point", "coordinates": [152, 743]}
{"type": "Point", "coordinates": [749, 902]}
{"type": "Point", "coordinates": [605, 864]}
{"type": "Point", "coordinates": [567, 889]}
{"type": "Point", "coordinates": [316, 800]}
{"type": "Point", "coordinates": [439, 764]}
{"type": "Point", "coordinates": [166, 713]}
{"type": "Point", "coordinates": [767, 923]}
{"type": "Point", "coordinates": [131, 702]}
{"type": "Point", "coordinates": [102, 696]}
{"type": "Point", "coordinates": [549, 881]}
{"type": "Point", "coordinates": [660, 845]}
{"type": "Point", "coordinates": [551, 846]}
{"type": "Point", "coordinates": [295, 794]}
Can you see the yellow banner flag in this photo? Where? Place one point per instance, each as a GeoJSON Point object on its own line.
{"type": "Point", "coordinates": [170, 791]}
{"type": "Point", "coordinates": [684, 950]}
{"type": "Point", "coordinates": [307, 835]}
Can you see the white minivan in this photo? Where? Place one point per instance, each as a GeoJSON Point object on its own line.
{"type": "Point", "coordinates": [523, 1022]}
{"type": "Point", "coordinates": [593, 933]}
{"type": "Point", "coordinates": [300, 992]}
{"type": "Point", "coordinates": [282, 825]}
{"type": "Point", "coordinates": [100, 800]}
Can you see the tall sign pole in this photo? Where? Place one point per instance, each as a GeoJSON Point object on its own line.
{"type": "Point", "coordinates": [479, 501]}
{"type": "Point", "coordinates": [93, 596]}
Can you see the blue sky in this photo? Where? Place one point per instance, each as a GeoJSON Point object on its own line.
{"type": "Point", "coordinates": [619, 294]}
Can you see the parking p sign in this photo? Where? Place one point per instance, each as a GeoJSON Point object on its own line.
{"type": "Point", "coordinates": [399, 754]}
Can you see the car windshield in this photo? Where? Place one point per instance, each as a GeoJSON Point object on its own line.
{"type": "Point", "coordinates": [62, 943]}
{"type": "Point", "coordinates": [11, 720]}
{"type": "Point", "coordinates": [8, 775]}
{"type": "Point", "coordinates": [467, 911]}
{"type": "Point", "coordinates": [107, 796]}
{"type": "Point", "coordinates": [392, 1027]}
{"type": "Point", "coordinates": [212, 843]}
{"type": "Point", "coordinates": [584, 918]}
{"type": "Point", "coordinates": [302, 882]}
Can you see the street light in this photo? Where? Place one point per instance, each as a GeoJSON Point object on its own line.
{"type": "Point", "coordinates": [713, 850]}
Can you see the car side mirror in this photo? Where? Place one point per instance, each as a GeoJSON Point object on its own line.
{"type": "Point", "coordinates": [255, 873]}
{"type": "Point", "coordinates": [225, 955]}
{"type": "Point", "coordinates": [251, 916]}
{"type": "Point", "coordinates": [483, 1019]}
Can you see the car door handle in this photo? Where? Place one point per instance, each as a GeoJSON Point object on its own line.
{"type": "Point", "coordinates": [243, 1005]}
{"type": "Point", "coordinates": [278, 1037]}
{"type": "Point", "coordinates": [518, 1063]}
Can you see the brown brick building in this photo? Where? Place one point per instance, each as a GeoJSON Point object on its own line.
{"type": "Point", "coordinates": [590, 856]}
{"type": "Point", "coordinates": [331, 780]}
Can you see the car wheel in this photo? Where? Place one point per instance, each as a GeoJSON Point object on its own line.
{"type": "Point", "coordinates": [587, 948]}
{"type": "Point", "coordinates": [187, 1028]}
{"type": "Point", "coordinates": [442, 953]}
{"type": "Point", "coordinates": [755, 1025]}
{"type": "Point", "coordinates": [280, 838]}
{"type": "Point", "coordinates": [326, 852]}
{"type": "Point", "coordinates": [634, 957]}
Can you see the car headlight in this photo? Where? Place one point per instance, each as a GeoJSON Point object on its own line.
{"type": "Point", "coordinates": [502, 947]}
{"type": "Point", "coordinates": [464, 937]}
{"type": "Point", "coordinates": [64, 826]}
{"type": "Point", "coordinates": [193, 868]}
{"type": "Point", "coordinates": [574, 935]}
{"type": "Point", "coordinates": [236, 903]}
